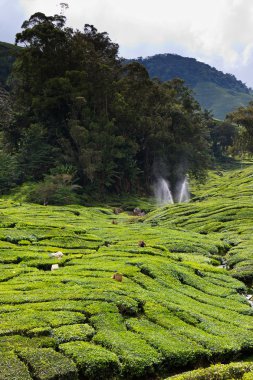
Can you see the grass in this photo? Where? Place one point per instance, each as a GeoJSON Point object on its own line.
{"type": "Point", "coordinates": [175, 309]}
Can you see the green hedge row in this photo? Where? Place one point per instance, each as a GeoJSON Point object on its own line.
{"type": "Point", "coordinates": [93, 361]}
{"type": "Point", "coordinates": [137, 356]}
{"type": "Point", "coordinates": [12, 368]}
{"type": "Point", "coordinates": [74, 332]}
{"type": "Point", "coordinates": [219, 372]}
{"type": "Point", "coordinates": [47, 364]}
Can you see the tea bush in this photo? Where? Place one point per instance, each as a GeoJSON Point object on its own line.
{"type": "Point", "coordinates": [93, 362]}
{"type": "Point", "coordinates": [177, 305]}
{"type": "Point", "coordinates": [219, 372]}
{"type": "Point", "coordinates": [68, 333]}
{"type": "Point", "coordinates": [45, 364]}
{"type": "Point", "coordinates": [12, 368]}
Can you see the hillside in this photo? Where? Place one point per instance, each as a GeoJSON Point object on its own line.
{"type": "Point", "coordinates": [176, 307]}
{"type": "Point", "coordinates": [218, 92]}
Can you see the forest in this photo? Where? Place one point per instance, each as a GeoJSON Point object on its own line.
{"type": "Point", "coordinates": [76, 118]}
{"type": "Point", "coordinates": [192, 72]}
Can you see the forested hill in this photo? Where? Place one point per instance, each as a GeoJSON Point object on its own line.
{"type": "Point", "coordinates": [218, 92]}
{"type": "Point", "coordinates": [168, 66]}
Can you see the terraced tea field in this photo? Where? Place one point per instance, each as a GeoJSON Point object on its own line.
{"type": "Point", "coordinates": [175, 309]}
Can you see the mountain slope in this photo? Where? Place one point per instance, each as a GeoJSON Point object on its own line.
{"type": "Point", "coordinates": [218, 92]}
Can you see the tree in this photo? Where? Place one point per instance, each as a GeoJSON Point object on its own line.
{"type": "Point", "coordinates": [188, 150]}
{"type": "Point", "coordinates": [223, 136]}
{"type": "Point", "coordinates": [76, 103]}
{"type": "Point", "coordinates": [8, 172]}
{"type": "Point", "coordinates": [6, 110]}
{"type": "Point", "coordinates": [39, 82]}
{"type": "Point", "coordinates": [64, 82]}
{"type": "Point", "coordinates": [243, 116]}
{"type": "Point", "coordinates": [35, 155]}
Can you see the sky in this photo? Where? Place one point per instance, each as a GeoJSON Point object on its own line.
{"type": "Point", "coordinates": [217, 32]}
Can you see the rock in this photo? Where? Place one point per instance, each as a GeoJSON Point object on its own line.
{"type": "Point", "coordinates": [57, 254]}
{"type": "Point", "coordinates": [54, 267]}
{"type": "Point", "coordinates": [117, 276]}
{"type": "Point", "coordinates": [117, 210]}
{"type": "Point", "coordinates": [138, 212]}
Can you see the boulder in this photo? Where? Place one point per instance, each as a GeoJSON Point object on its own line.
{"type": "Point", "coordinates": [54, 267]}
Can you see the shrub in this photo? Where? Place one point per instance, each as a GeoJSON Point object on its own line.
{"type": "Point", "coordinates": [11, 368]}
{"type": "Point", "coordinates": [58, 188]}
{"type": "Point", "coordinates": [68, 333]}
{"type": "Point", "coordinates": [48, 192]}
{"type": "Point", "coordinates": [138, 357]}
{"type": "Point", "coordinates": [248, 376]}
{"type": "Point", "coordinates": [218, 372]}
{"type": "Point", "coordinates": [177, 350]}
{"type": "Point", "coordinates": [47, 364]}
{"type": "Point", "coordinates": [8, 172]}
{"type": "Point", "coordinates": [93, 362]}
{"type": "Point", "coordinates": [108, 321]}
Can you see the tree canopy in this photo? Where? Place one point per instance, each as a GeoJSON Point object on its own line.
{"type": "Point", "coordinates": [77, 104]}
{"type": "Point", "coordinates": [243, 117]}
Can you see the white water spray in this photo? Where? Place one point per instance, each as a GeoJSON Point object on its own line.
{"type": "Point", "coordinates": [162, 192]}
{"type": "Point", "coordinates": [184, 195]}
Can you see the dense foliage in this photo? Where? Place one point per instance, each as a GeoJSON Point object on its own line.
{"type": "Point", "coordinates": [218, 92]}
{"type": "Point", "coordinates": [7, 57]}
{"type": "Point", "coordinates": [230, 371]}
{"type": "Point", "coordinates": [75, 104]}
{"type": "Point", "coordinates": [243, 117]}
{"type": "Point", "coordinates": [169, 66]}
{"type": "Point", "coordinates": [224, 137]}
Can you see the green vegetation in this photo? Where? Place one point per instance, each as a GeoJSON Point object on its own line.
{"type": "Point", "coordinates": [230, 371]}
{"type": "Point", "coordinates": [215, 91]}
{"type": "Point", "coordinates": [96, 289]}
{"type": "Point", "coordinates": [7, 57]}
{"type": "Point", "coordinates": [78, 120]}
{"type": "Point", "coordinates": [243, 117]}
{"type": "Point", "coordinates": [47, 364]}
{"type": "Point", "coordinates": [12, 368]}
{"type": "Point", "coordinates": [218, 100]}
{"type": "Point", "coordinates": [94, 362]}
{"type": "Point", "coordinates": [175, 308]}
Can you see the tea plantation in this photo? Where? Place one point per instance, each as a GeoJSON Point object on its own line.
{"type": "Point", "coordinates": [177, 307]}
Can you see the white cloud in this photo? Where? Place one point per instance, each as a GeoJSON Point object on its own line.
{"type": "Point", "coordinates": [216, 30]}
{"type": "Point", "coordinates": [11, 18]}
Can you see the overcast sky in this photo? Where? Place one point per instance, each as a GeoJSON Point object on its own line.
{"type": "Point", "coordinates": [217, 32]}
